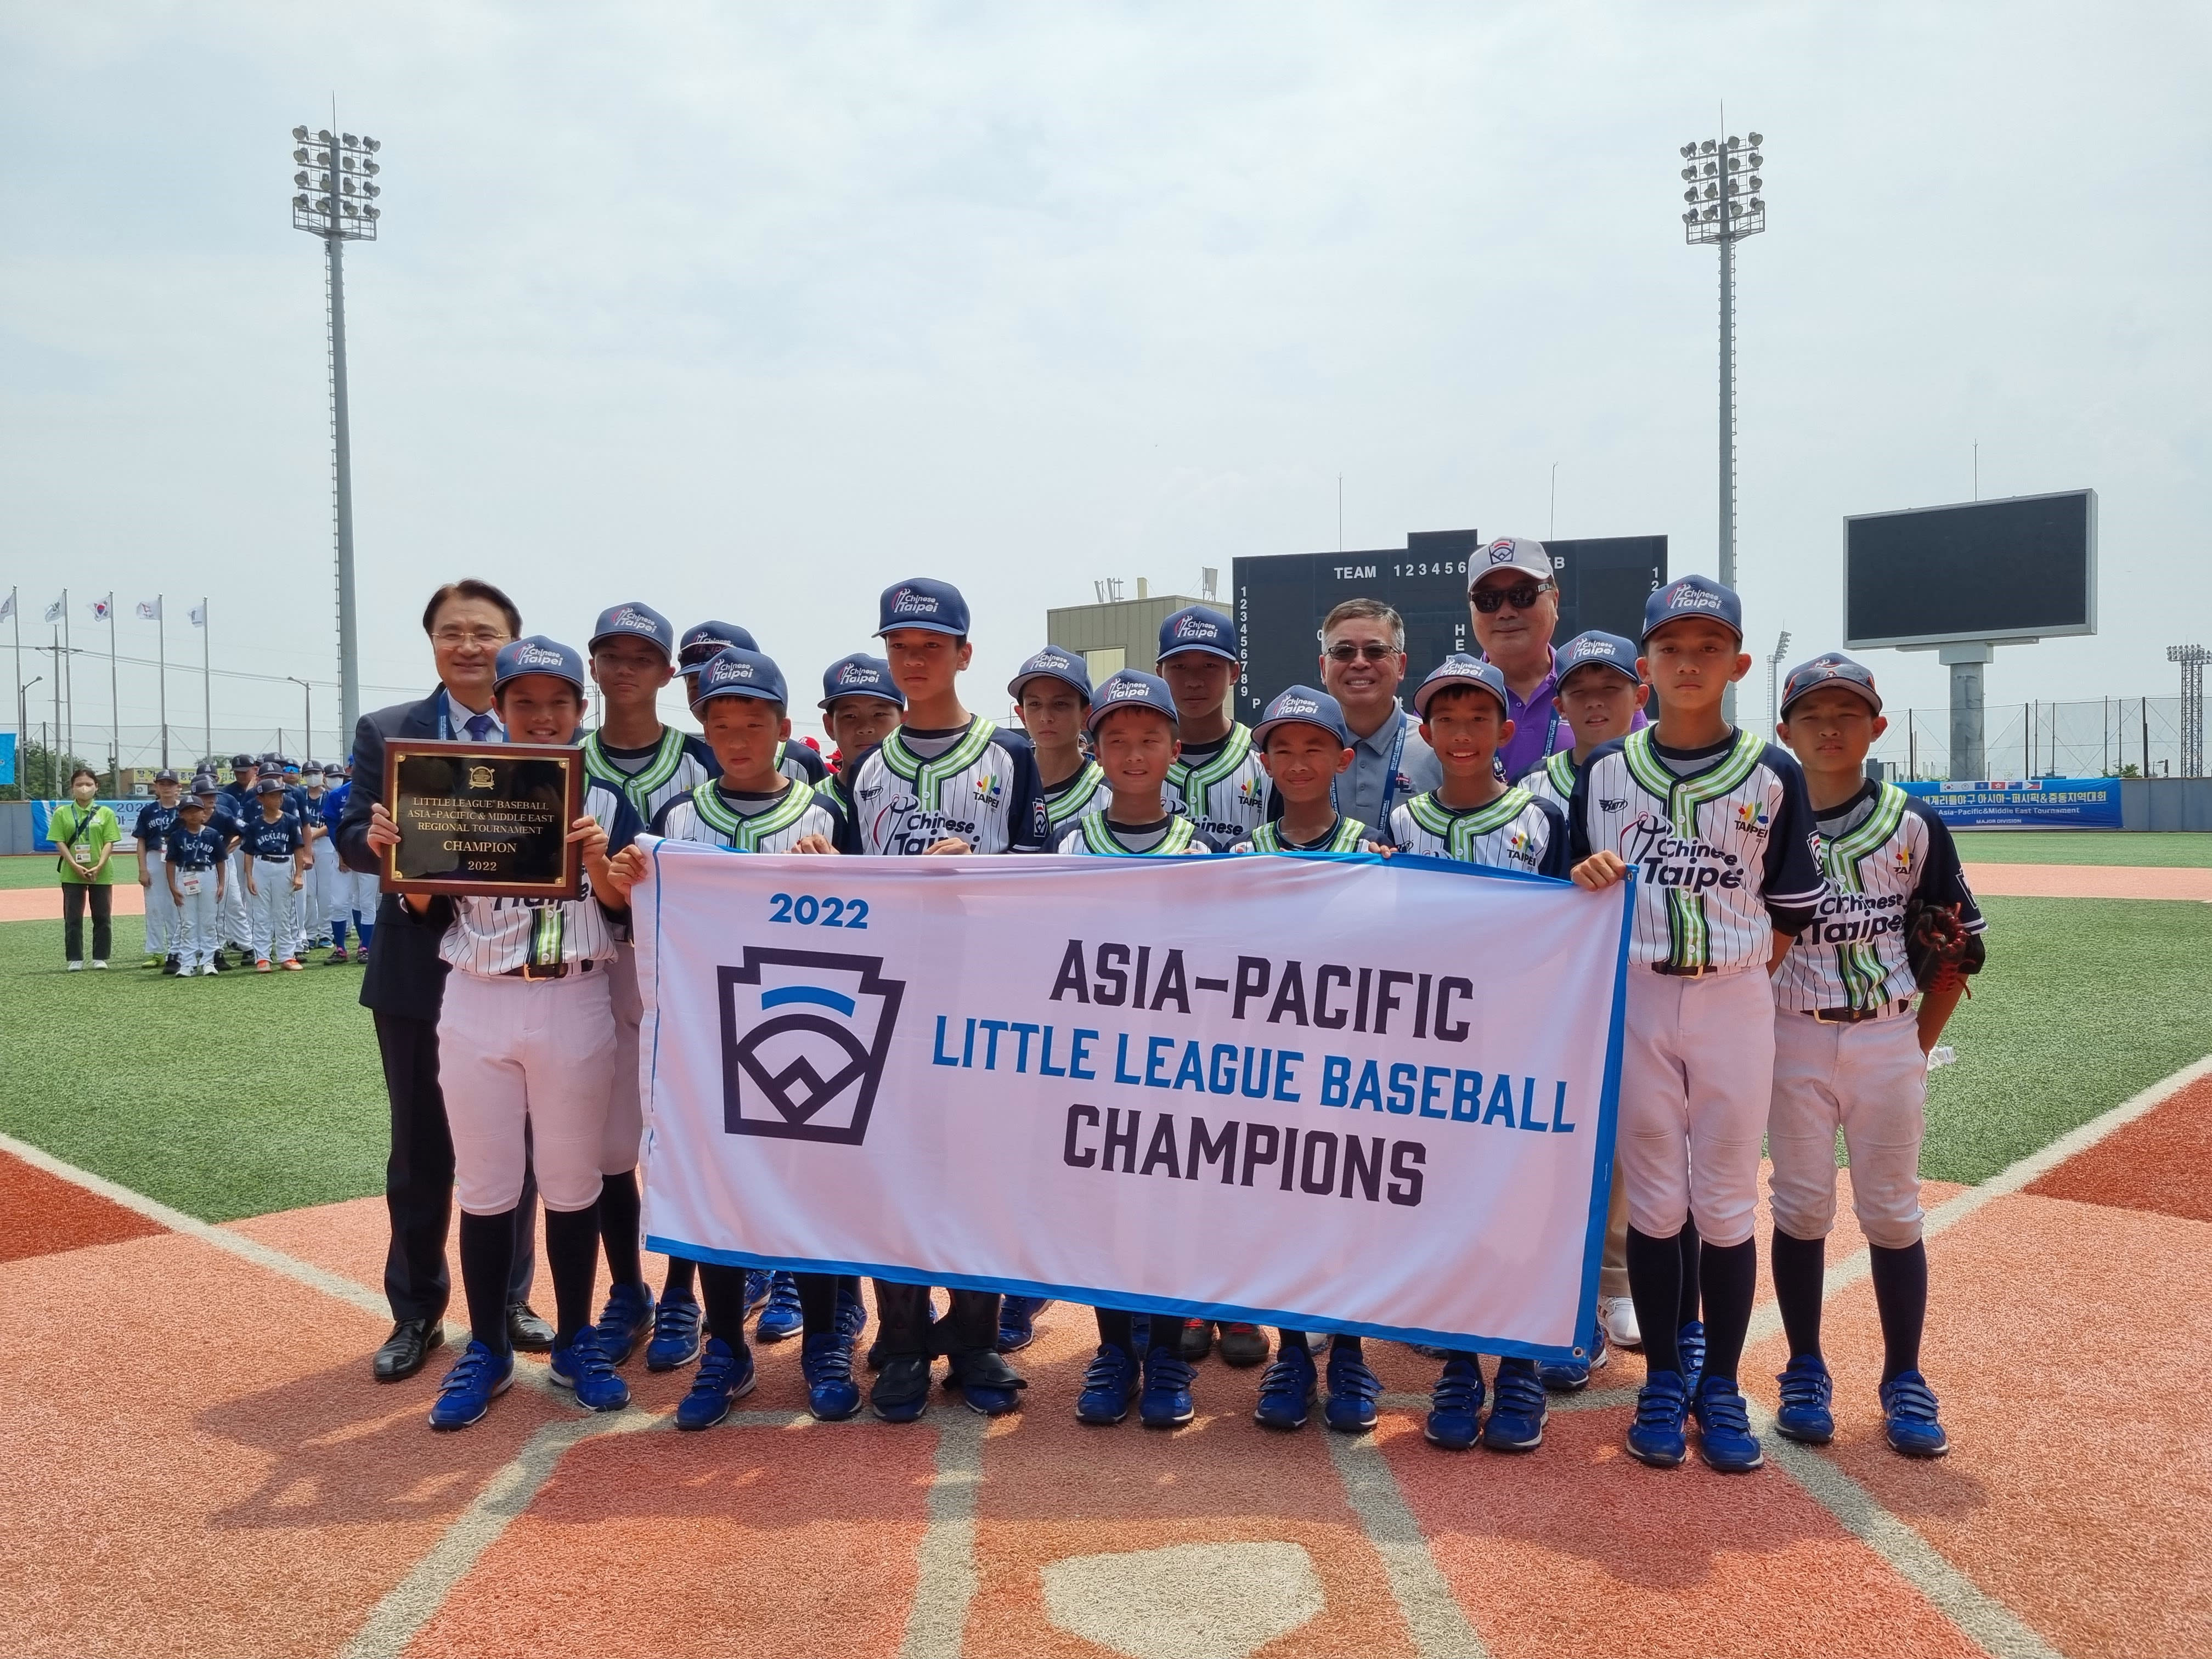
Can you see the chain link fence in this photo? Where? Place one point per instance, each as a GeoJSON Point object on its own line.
{"type": "Point", "coordinates": [2110, 736]}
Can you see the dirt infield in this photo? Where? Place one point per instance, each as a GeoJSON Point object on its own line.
{"type": "Point", "coordinates": [2108, 881]}
{"type": "Point", "coordinates": [2162, 1162]}
{"type": "Point", "coordinates": [44, 903]}
{"type": "Point", "coordinates": [47, 1214]}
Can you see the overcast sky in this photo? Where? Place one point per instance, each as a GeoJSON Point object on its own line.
{"type": "Point", "coordinates": [749, 311]}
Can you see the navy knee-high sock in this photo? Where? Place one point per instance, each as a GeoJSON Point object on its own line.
{"type": "Point", "coordinates": [1655, 1284]}
{"type": "Point", "coordinates": [1799, 1266]}
{"type": "Point", "coordinates": [572, 1254]}
{"type": "Point", "coordinates": [1900, 1297]}
{"type": "Point", "coordinates": [619, 1206]}
{"type": "Point", "coordinates": [487, 1263]}
{"type": "Point", "coordinates": [1686, 1241]}
{"type": "Point", "coordinates": [1729, 1277]}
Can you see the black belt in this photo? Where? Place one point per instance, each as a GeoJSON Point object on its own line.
{"type": "Point", "coordinates": [1857, 1016]}
{"type": "Point", "coordinates": [549, 970]}
{"type": "Point", "coordinates": [1674, 972]}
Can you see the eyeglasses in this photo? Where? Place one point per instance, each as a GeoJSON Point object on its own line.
{"type": "Point", "coordinates": [453, 636]}
{"type": "Point", "coordinates": [1372, 650]}
{"type": "Point", "coordinates": [1521, 596]}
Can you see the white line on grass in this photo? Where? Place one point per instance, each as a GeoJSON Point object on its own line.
{"type": "Point", "coordinates": [1440, 1625]}
{"type": "Point", "coordinates": [937, 1622]}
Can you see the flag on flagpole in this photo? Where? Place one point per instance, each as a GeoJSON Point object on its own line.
{"type": "Point", "coordinates": [7, 607]}
{"type": "Point", "coordinates": [104, 609]}
{"type": "Point", "coordinates": [198, 614]}
{"type": "Point", "coordinates": [54, 612]}
{"type": "Point", "coordinates": [149, 609]}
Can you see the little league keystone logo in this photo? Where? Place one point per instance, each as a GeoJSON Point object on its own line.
{"type": "Point", "coordinates": [805, 1035]}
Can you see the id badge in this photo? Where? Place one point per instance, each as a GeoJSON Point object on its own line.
{"type": "Point", "coordinates": [188, 881]}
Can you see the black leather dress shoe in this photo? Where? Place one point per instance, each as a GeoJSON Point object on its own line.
{"type": "Point", "coordinates": [526, 1331]}
{"type": "Point", "coordinates": [406, 1348]}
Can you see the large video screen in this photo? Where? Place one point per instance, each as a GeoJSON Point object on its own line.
{"type": "Point", "coordinates": [1281, 600]}
{"type": "Point", "coordinates": [2021, 569]}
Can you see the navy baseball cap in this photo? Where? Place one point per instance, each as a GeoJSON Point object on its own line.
{"type": "Point", "coordinates": [199, 798]}
{"type": "Point", "coordinates": [1516, 553]}
{"type": "Point", "coordinates": [204, 784]}
{"type": "Point", "coordinates": [311, 770]}
{"type": "Point", "coordinates": [536, 654]}
{"type": "Point", "coordinates": [237, 760]}
{"type": "Point", "coordinates": [700, 643]}
{"type": "Point", "coordinates": [1830, 668]}
{"type": "Point", "coordinates": [924, 602]}
{"type": "Point", "coordinates": [636, 621]}
{"type": "Point", "coordinates": [1199, 628]}
{"type": "Point", "coordinates": [165, 776]}
{"type": "Point", "coordinates": [738, 673]}
{"type": "Point", "coordinates": [1128, 689]}
{"type": "Point", "coordinates": [1605, 650]}
{"type": "Point", "coordinates": [269, 787]}
{"type": "Point", "coordinates": [1301, 705]}
{"type": "Point", "coordinates": [859, 676]}
{"type": "Point", "coordinates": [1053, 664]}
{"type": "Point", "coordinates": [1694, 595]}
{"type": "Point", "coordinates": [291, 766]}
{"type": "Point", "coordinates": [1460, 669]}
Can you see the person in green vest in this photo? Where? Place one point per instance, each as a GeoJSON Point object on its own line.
{"type": "Point", "coordinates": [86, 833]}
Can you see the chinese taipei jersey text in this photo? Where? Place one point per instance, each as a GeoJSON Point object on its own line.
{"type": "Point", "coordinates": [680, 763]}
{"type": "Point", "coordinates": [1225, 794]}
{"type": "Point", "coordinates": [982, 788]}
{"type": "Point", "coordinates": [1173, 836]}
{"type": "Point", "coordinates": [1552, 779]}
{"type": "Point", "coordinates": [1724, 858]}
{"type": "Point", "coordinates": [492, 936]}
{"type": "Point", "coordinates": [1880, 850]}
{"type": "Point", "coordinates": [772, 826]}
{"type": "Point", "coordinates": [1343, 837]}
{"type": "Point", "coordinates": [1517, 831]}
{"type": "Point", "coordinates": [1068, 800]}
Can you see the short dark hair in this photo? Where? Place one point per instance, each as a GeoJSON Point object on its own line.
{"type": "Point", "coordinates": [84, 772]}
{"type": "Point", "coordinates": [1370, 610]}
{"type": "Point", "coordinates": [470, 588]}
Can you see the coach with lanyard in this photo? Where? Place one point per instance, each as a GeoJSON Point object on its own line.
{"type": "Point", "coordinates": [1513, 599]}
{"type": "Point", "coordinates": [1362, 663]}
{"type": "Point", "coordinates": [403, 988]}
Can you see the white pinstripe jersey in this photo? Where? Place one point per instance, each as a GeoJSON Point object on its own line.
{"type": "Point", "coordinates": [1517, 831]}
{"type": "Point", "coordinates": [1724, 858]}
{"type": "Point", "coordinates": [1068, 800]}
{"type": "Point", "coordinates": [1344, 836]}
{"type": "Point", "coordinates": [1177, 837]}
{"type": "Point", "coordinates": [799, 811]}
{"type": "Point", "coordinates": [983, 789]}
{"type": "Point", "coordinates": [680, 764]}
{"type": "Point", "coordinates": [1225, 794]}
{"type": "Point", "coordinates": [495, 936]}
{"type": "Point", "coordinates": [1880, 850]}
{"type": "Point", "coordinates": [1552, 778]}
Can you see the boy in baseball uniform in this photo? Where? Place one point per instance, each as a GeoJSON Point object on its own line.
{"type": "Point", "coordinates": [152, 834]}
{"type": "Point", "coordinates": [698, 647]}
{"type": "Point", "coordinates": [1051, 690]}
{"type": "Point", "coordinates": [861, 706]}
{"type": "Point", "coordinates": [194, 865]}
{"type": "Point", "coordinates": [1716, 826]}
{"type": "Point", "coordinates": [273, 849]}
{"type": "Point", "coordinates": [1851, 1049]}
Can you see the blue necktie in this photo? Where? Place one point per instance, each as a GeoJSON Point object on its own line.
{"type": "Point", "coordinates": [478, 726]}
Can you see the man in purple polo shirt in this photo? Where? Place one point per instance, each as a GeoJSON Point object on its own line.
{"type": "Point", "coordinates": [1513, 599]}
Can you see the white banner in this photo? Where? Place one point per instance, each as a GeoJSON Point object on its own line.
{"type": "Point", "coordinates": [1341, 1093]}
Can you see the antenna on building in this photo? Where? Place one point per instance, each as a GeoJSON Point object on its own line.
{"type": "Point", "coordinates": [1209, 582]}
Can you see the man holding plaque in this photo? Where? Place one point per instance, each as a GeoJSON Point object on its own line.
{"type": "Point", "coordinates": [404, 990]}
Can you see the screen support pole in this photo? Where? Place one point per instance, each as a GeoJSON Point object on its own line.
{"type": "Point", "coordinates": [1966, 662]}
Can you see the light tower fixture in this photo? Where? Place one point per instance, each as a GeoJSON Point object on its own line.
{"type": "Point", "coordinates": [2192, 659]}
{"type": "Point", "coordinates": [336, 197]}
{"type": "Point", "coordinates": [1723, 190]}
{"type": "Point", "coordinates": [1774, 681]}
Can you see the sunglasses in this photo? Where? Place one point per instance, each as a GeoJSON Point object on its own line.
{"type": "Point", "coordinates": [1521, 596]}
{"type": "Point", "coordinates": [1372, 650]}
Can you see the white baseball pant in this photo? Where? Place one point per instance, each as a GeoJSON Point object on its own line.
{"type": "Point", "coordinates": [270, 911]}
{"type": "Point", "coordinates": [1870, 1080]}
{"type": "Point", "coordinates": [331, 884]}
{"type": "Point", "coordinates": [235, 928]}
{"type": "Point", "coordinates": [516, 1052]}
{"type": "Point", "coordinates": [625, 1131]}
{"type": "Point", "coordinates": [161, 909]}
{"type": "Point", "coordinates": [1696, 1074]}
{"type": "Point", "coordinates": [193, 939]}
{"type": "Point", "coordinates": [306, 912]}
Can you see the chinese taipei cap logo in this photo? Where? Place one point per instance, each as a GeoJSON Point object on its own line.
{"type": "Point", "coordinates": [1688, 596]}
{"type": "Point", "coordinates": [1196, 628]}
{"type": "Point", "coordinates": [629, 616]}
{"type": "Point", "coordinates": [907, 602]}
{"type": "Point", "coordinates": [856, 673]}
{"type": "Point", "coordinates": [805, 1036]}
{"type": "Point", "coordinates": [537, 656]}
{"type": "Point", "coordinates": [723, 673]}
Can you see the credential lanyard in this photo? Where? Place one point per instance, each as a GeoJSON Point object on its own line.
{"type": "Point", "coordinates": [1397, 757]}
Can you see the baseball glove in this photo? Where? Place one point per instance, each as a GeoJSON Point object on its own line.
{"type": "Point", "coordinates": [1937, 945]}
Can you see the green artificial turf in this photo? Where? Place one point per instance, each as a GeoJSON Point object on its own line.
{"type": "Point", "coordinates": [39, 870]}
{"type": "Point", "coordinates": [2167, 850]}
{"type": "Point", "coordinates": [2084, 1003]}
{"type": "Point", "coordinates": [224, 1097]}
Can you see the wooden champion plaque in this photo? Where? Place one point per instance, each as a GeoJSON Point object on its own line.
{"type": "Point", "coordinates": [489, 819]}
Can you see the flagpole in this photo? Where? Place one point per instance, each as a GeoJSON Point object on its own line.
{"type": "Point", "coordinates": [69, 680]}
{"type": "Point", "coordinates": [207, 678]}
{"type": "Point", "coordinates": [22, 707]}
{"type": "Point", "coordinates": [114, 706]}
{"type": "Point", "coordinates": [162, 657]}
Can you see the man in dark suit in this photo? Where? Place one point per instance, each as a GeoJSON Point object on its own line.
{"type": "Point", "coordinates": [405, 981]}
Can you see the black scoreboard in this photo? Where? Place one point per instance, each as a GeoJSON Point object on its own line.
{"type": "Point", "coordinates": [1281, 599]}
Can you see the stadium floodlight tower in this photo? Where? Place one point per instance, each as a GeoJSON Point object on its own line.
{"type": "Point", "coordinates": [1721, 187]}
{"type": "Point", "coordinates": [2192, 659]}
{"type": "Point", "coordinates": [336, 199]}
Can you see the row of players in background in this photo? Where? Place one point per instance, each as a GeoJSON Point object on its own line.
{"type": "Point", "coordinates": [245, 865]}
{"type": "Point", "coordinates": [955, 784]}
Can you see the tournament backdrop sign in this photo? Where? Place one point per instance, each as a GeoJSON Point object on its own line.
{"type": "Point", "coordinates": [1362, 1095]}
{"type": "Point", "coordinates": [2029, 803]}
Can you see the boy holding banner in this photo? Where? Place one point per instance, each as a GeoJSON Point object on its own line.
{"type": "Point", "coordinates": [753, 807]}
{"type": "Point", "coordinates": [1053, 691]}
{"type": "Point", "coordinates": [1473, 818]}
{"type": "Point", "coordinates": [1132, 725]}
{"type": "Point", "coordinates": [946, 783]}
{"type": "Point", "coordinates": [1719, 830]}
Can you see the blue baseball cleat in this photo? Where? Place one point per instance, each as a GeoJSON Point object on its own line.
{"type": "Point", "coordinates": [990, 1387]}
{"type": "Point", "coordinates": [1286, 1391]}
{"type": "Point", "coordinates": [1908, 1410]}
{"type": "Point", "coordinates": [1516, 1414]}
{"type": "Point", "coordinates": [1690, 1347]}
{"type": "Point", "coordinates": [901, 1392]}
{"type": "Point", "coordinates": [1455, 1404]}
{"type": "Point", "coordinates": [851, 1312]}
{"type": "Point", "coordinates": [1352, 1392]}
{"type": "Point", "coordinates": [825, 1360]}
{"type": "Point", "coordinates": [1018, 1321]}
{"type": "Point", "coordinates": [1724, 1437]}
{"type": "Point", "coordinates": [1573, 1375]}
{"type": "Point", "coordinates": [1107, 1387]}
{"type": "Point", "coordinates": [782, 1318]}
{"type": "Point", "coordinates": [1655, 1437]}
{"type": "Point", "coordinates": [723, 1378]}
{"type": "Point", "coordinates": [478, 1377]}
{"type": "Point", "coordinates": [624, 1321]}
{"type": "Point", "coordinates": [1806, 1391]}
{"type": "Point", "coordinates": [1166, 1402]}
{"type": "Point", "coordinates": [584, 1369]}
{"type": "Point", "coordinates": [675, 1335]}
{"type": "Point", "coordinates": [757, 1289]}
